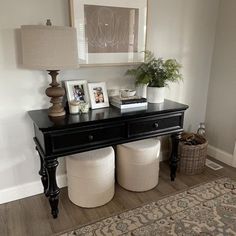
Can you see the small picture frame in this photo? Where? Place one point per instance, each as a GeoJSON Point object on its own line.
{"type": "Point", "coordinates": [77, 90]}
{"type": "Point", "coordinates": [98, 95]}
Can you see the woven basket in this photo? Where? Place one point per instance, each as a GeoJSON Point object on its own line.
{"type": "Point", "coordinates": [192, 158]}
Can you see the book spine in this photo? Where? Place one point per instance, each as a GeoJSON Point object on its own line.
{"type": "Point", "coordinates": [131, 101]}
{"type": "Point", "coordinates": [126, 106]}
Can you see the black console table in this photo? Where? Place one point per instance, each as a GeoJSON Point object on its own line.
{"type": "Point", "coordinates": [62, 136]}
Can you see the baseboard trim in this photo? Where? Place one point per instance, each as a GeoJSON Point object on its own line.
{"type": "Point", "coordinates": [27, 190]}
{"type": "Point", "coordinates": [220, 155]}
{"type": "Point", "coordinates": [34, 188]}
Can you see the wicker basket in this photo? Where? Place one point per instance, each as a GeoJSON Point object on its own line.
{"type": "Point", "coordinates": [192, 157]}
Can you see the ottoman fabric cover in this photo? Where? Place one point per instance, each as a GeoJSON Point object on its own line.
{"type": "Point", "coordinates": [90, 176]}
{"type": "Point", "coordinates": [138, 165]}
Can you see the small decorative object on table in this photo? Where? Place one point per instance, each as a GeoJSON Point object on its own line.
{"type": "Point", "coordinates": [74, 107]}
{"type": "Point", "coordinates": [125, 93]}
{"type": "Point", "coordinates": [192, 153]}
{"type": "Point", "coordinates": [84, 107]}
{"type": "Point", "coordinates": [77, 90]}
{"type": "Point", "coordinates": [98, 95]}
{"type": "Point", "coordinates": [156, 73]}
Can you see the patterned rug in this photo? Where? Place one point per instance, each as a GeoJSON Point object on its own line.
{"type": "Point", "coordinates": [208, 209]}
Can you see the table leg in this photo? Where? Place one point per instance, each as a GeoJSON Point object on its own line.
{"type": "Point", "coordinates": [174, 155]}
{"type": "Point", "coordinates": [43, 173]}
{"type": "Point", "coordinates": [52, 190]}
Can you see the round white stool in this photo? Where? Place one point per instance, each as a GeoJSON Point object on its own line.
{"type": "Point", "coordinates": [138, 165]}
{"type": "Point", "coordinates": [91, 177]}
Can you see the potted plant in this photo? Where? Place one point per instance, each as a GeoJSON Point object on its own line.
{"type": "Point", "coordinates": [156, 74]}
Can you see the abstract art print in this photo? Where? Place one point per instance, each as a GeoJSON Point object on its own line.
{"type": "Point", "coordinates": [109, 31]}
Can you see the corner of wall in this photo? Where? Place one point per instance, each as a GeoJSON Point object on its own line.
{"type": "Point", "coordinates": [234, 156]}
{"type": "Point", "coordinates": [212, 56]}
{"type": "Point", "coordinates": [222, 156]}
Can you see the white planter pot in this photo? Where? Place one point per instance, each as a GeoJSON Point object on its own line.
{"type": "Point", "coordinates": [141, 90]}
{"type": "Point", "coordinates": [155, 94]}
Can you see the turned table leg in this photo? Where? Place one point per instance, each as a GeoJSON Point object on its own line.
{"type": "Point", "coordinates": [52, 190]}
{"type": "Point", "coordinates": [175, 138]}
{"type": "Point", "coordinates": [43, 173]}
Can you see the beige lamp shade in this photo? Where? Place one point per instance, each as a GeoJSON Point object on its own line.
{"type": "Point", "coordinates": [49, 47]}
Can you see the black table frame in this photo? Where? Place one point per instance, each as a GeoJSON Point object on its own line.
{"type": "Point", "coordinates": [55, 137]}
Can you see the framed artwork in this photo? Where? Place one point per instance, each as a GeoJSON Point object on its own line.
{"type": "Point", "coordinates": [77, 90]}
{"type": "Point", "coordinates": [98, 95]}
{"type": "Point", "coordinates": [109, 31]}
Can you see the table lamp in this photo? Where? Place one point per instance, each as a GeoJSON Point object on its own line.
{"type": "Point", "coordinates": [51, 48]}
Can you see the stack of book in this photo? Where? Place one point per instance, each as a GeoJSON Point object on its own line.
{"type": "Point", "coordinates": [133, 103]}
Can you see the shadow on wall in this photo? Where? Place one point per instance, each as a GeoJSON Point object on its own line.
{"type": "Point", "coordinates": [18, 152]}
{"type": "Point", "coordinates": [18, 48]}
{"type": "Point", "coordinates": [14, 158]}
{"type": "Point", "coordinates": [198, 40]}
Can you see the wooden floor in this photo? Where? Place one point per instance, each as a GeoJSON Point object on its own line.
{"type": "Point", "coordinates": [31, 216]}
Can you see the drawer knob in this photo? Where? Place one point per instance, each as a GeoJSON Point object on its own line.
{"type": "Point", "coordinates": [90, 137]}
{"type": "Point", "coordinates": [156, 125]}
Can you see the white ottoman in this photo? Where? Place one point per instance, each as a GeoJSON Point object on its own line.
{"type": "Point", "coordinates": [138, 165]}
{"type": "Point", "coordinates": [91, 177]}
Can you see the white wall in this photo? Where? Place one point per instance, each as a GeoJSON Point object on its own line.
{"type": "Point", "coordinates": [183, 29]}
{"type": "Point", "coordinates": [221, 107]}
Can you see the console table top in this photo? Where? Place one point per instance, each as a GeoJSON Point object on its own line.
{"type": "Point", "coordinates": [46, 123]}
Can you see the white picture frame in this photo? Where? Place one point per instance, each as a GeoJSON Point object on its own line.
{"type": "Point", "coordinates": [116, 26]}
{"type": "Point", "coordinates": [98, 95]}
{"type": "Point", "coordinates": [77, 90]}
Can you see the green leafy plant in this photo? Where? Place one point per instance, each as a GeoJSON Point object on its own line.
{"type": "Point", "coordinates": [156, 72]}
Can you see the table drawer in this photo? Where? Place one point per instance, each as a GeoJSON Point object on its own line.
{"type": "Point", "coordinates": [155, 125]}
{"type": "Point", "coordinates": [78, 138]}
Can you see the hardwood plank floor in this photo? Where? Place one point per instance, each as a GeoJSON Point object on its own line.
{"type": "Point", "coordinates": [31, 216]}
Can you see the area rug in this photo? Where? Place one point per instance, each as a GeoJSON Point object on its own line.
{"type": "Point", "coordinates": [208, 209]}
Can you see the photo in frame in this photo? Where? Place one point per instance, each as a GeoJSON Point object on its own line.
{"type": "Point", "coordinates": [98, 95]}
{"type": "Point", "coordinates": [109, 31]}
{"type": "Point", "coordinates": [77, 90]}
